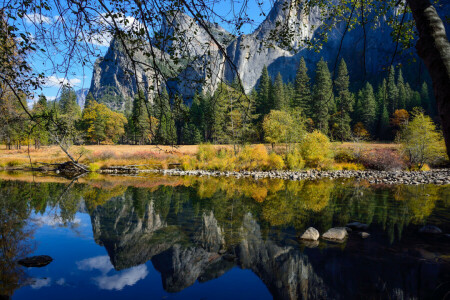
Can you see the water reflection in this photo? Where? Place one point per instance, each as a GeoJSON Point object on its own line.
{"type": "Point", "coordinates": [197, 229]}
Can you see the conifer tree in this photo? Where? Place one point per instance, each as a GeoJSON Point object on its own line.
{"type": "Point", "coordinates": [368, 108]}
{"type": "Point", "coordinates": [425, 98]}
{"type": "Point", "coordinates": [391, 92]}
{"type": "Point", "coordinates": [344, 102]}
{"type": "Point", "coordinates": [409, 95]}
{"type": "Point", "coordinates": [383, 129]}
{"type": "Point", "coordinates": [166, 133]}
{"type": "Point", "coordinates": [264, 94]}
{"type": "Point", "coordinates": [401, 91]}
{"type": "Point", "coordinates": [279, 95]}
{"type": "Point", "coordinates": [141, 125]}
{"type": "Point", "coordinates": [89, 99]}
{"type": "Point", "coordinates": [302, 89]}
{"type": "Point", "coordinates": [322, 96]}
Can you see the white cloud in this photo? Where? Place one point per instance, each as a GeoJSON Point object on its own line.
{"type": "Point", "coordinates": [119, 281]}
{"type": "Point", "coordinates": [36, 18]}
{"type": "Point", "coordinates": [60, 281]}
{"type": "Point", "coordinates": [127, 23]}
{"type": "Point", "coordinates": [53, 220]}
{"type": "Point", "coordinates": [114, 282]}
{"type": "Point", "coordinates": [40, 283]}
{"type": "Point", "coordinates": [57, 81]}
{"type": "Point", "coordinates": [101, 263]}
{"type": "Point", "coordinates": [102, 39]}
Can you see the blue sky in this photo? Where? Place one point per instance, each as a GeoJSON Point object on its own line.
{"type": "Point", "coordinates": [80, 77]}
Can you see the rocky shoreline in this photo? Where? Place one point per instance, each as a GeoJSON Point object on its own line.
{"type": "Point", "coordinates": [437, 176]}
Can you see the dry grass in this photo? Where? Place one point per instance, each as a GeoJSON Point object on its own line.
{"type": "Point", "coordinates": [148, 155]}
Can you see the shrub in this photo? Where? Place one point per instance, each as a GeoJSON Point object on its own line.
{"type": "Point", "coordinates": [347, 166]}
{"type": "Point", "coordinates": [316, 149]}
{"type": "Point", "coordinates": [383, 160]}
{"type": "Point", "coordinates": [206, 152]}
{"type": "Point", "coordinates": [13, 163]}
{"type": "Point", "coordinates": [93, 167]}
{"type": "Point", "coordinates": [253, 157]}
{"type": "Point", "coordinates": [105, 155]}
{"type": "Point", "coordinates": [294, 160]}
{"type": "Point", "coordinates": [187, 163]}
{"type": "Point", "coordinates": [275, 162]}
{"type": "Point", "coordinates": [344, 156]}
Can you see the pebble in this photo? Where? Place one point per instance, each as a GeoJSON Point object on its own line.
{"type": "Point", "coordinates": [437, 176]}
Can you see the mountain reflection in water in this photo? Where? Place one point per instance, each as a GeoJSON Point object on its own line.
{"type": "Point", "coordinates": [195, 230]}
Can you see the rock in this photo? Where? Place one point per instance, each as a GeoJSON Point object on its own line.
{"type": "Point", "coordinates": [35, 261]}
{"type": "Point", "coordinates": [310, 234]}
{"type": "Point", "coordinates": [364, 235]}
{"type": "Point", "coordinates": [310, 243]}
{"type": "Point", "coordinates": [357, 225]}
{"type": "Point", "coordinates": [336, 233]}
{"type": "Point", "coordinates": [430, 229]}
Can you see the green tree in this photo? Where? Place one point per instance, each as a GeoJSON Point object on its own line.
{"type": "Point", "coordinates": [391, 92]}
{"type": "Point", "coordinates": [402, 96]}
{"type": "Point", "coordinates": [367, 110]}
{"type": "Point", "coordinates": [279, 95]}
{"type": "Point", "coordinates": [302, 89]}
{"type": "Point", "coordinates": [263, 100]}
{"type": "Point", "coordinates": [421, 141]}
{"type": "Point", "coordinates": [89, 99]}
{"type": "Point", "coordinates": [283, 127]}
{"type": "Point", "coordinates": [322, 96]}
{"type": "Point", "coordinates": [166, 133]}
{"type": "Point", "coordinates": [425, 98]}
{"type": "Point", "coordinates": [344, 101]}
{"type": "Point", "coordinates": [102, 125]}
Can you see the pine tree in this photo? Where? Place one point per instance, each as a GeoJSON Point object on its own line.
{"type": "Point", "coordinates": [425, 98]}
{"type": "Point", "coordinates": [383, 129]}
{"type": "Point", "coordinates": [391, 92]}
{"type": "Point", "coordinates": [279, 95]}
{"type": "Point", "coordinates": [344, 102]}
{"type": "Point", "coordinates": [409, 95]}
{"type": "Point", "coordinates": [401, 91]}
{"type": "Point", "coordinates": [302, 89]}
{"type": "Point", "coordinates": [166, 133]}
{"type": "Point", "coordinates": [322, 96]}
{"type": "Point", "coordinates": [140, 128]}
{"type": "Point", "coordinates": [368, 108]}
{"type": "Point", "coordinates": [89, 99]}
{"type": "Point", "coordinates": [68, 103]}
{"type": "Point", "coordinates": [264, 94]}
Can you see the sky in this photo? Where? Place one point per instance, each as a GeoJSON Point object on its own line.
{"type": "Point", "coordinates": [79, 77]}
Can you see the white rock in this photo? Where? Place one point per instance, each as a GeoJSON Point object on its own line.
{"type": "Point", "coordinates": [336, 233]}
{"type": "Point", "coordinates": [310, 234]}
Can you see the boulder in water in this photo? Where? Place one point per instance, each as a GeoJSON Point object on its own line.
{"type": "Point", "coordinates": [35, 261]}
{"type": "Point", "coordinates": [310, 234]}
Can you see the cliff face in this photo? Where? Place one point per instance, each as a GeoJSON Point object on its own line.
{"type": "Point", "coordinates": [204, 66]}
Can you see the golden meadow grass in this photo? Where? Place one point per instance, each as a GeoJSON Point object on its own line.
{"type": "Point", "coordinates": [211, 157]}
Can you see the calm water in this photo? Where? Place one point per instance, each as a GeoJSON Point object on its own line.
{"type": "Point", "coordinates": [199, 238]}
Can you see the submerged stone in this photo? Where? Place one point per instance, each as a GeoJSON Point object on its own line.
{"type": "Point", "coordinates": [35, 261]}
{"type": "Point", "coordinates": [357, 225]}
{"type": "Point", "coordinates": [430, 229]}
{"type": "Point", "coordinates": [364, 235]}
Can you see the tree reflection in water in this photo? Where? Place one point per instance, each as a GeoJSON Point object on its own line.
{"type": "Point", "coordinates": [198, 228]}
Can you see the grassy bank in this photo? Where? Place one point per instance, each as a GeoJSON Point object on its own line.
{"type": "Point", "coordinates": [339, 156]}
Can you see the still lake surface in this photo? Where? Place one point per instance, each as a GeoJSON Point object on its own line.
{"type": "Point", "coordinates": [160, 237]}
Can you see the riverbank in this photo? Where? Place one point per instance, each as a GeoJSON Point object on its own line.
{"type": "Point", "coordinates": [438, 177]}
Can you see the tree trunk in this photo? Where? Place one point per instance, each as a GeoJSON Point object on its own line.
{"type": "Point", "coordinates": [434, 49]}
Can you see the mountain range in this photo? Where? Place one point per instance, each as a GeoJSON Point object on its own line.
{"type": "Point", "coordinates": [206, 66]}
